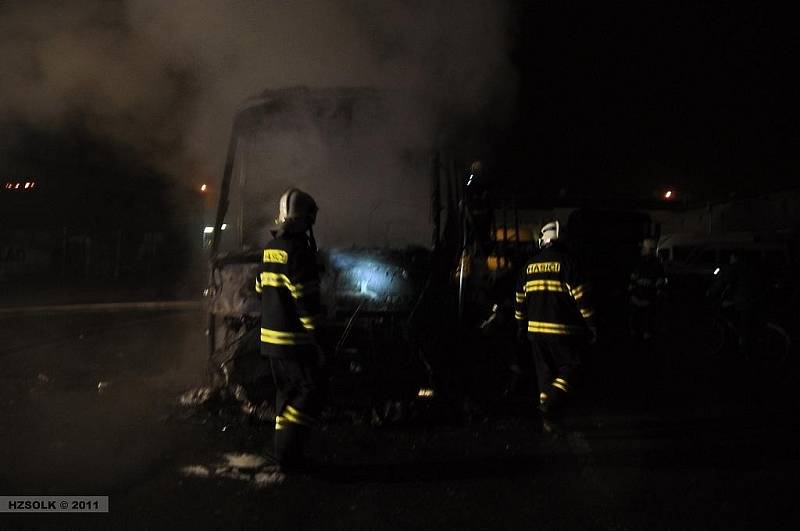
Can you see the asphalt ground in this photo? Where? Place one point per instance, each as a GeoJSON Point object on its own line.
{"type": "Point", "coordinates": [661, 437]}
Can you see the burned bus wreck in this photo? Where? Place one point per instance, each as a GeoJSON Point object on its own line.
{"type": "Point", "coordinates": [373, 347]}
{"type": "Point", "coordinates": [389, 239]}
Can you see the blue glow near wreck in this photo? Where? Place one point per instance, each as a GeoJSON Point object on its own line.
{"type": "Point", "coordinates": [365, 276]}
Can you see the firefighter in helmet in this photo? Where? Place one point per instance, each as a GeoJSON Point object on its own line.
{"type": "Point", "coordinates": [741, 284]}
{"type": "Point", "coordinates": [646, 286]}
{"type": "Point", "coordinates": [553, 309]}
{"type": "Point", "coordinates": [288, 284]}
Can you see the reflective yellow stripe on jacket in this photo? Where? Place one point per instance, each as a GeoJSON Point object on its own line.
{"type": "Point", "coordinates": [541, 327]}
{"type": "Point", "coordinates": [277, 337]}
{"type": "Point", "coordinates": [279, 280]}
{"type": "Point", "coordinates": [578, 292]}
{"type": "Point", "coordinates": [309, 323]}
{"type": "Point", "coordinates": [545, 285]}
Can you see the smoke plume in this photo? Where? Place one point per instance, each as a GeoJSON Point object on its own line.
{"type": "Point", "coordinates": [166, 77]}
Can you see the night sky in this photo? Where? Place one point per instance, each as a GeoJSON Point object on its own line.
{"type": "Point", "coordinates": [623, 101]}
{"type": "Point", "coordinates": [628, 101]}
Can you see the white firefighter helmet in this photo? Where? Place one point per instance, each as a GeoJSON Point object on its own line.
{"type": "Point", "coordinates": [550, 233]}
{"type": "Point", "coordinates": [297, 211]}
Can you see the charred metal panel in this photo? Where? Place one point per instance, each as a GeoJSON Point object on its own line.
{"type": "Point", "coordinates": [232, 289]}
{"type": "Point", "coordinates": [369, 295]}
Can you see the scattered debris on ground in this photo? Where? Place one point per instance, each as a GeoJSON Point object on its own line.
{"type": "Point", "coordinates": [249, 468]}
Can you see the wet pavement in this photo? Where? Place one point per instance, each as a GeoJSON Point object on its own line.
{"type": "Point", "coordinates": [662, 438]}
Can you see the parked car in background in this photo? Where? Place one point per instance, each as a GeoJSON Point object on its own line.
{"type": "Point", "coordinates": [692, 261]}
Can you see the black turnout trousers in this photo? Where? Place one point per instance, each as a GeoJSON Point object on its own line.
{"type": "Point", "coordinates": [300, 390]}
{"type": "Point", "coordinates": [299, 383]}
{"type": "Point", "coordinates": [557, 359]}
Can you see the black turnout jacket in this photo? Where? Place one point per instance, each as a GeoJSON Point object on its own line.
{"type": "Point", "coordinates": [552, 296]}
{"type": "Point", "coordinates": [290, 300]}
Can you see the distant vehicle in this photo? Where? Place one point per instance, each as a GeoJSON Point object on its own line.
{"type": "Point", "coordinates": [691, 261]}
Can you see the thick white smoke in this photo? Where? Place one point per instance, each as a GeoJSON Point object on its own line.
{"type": "Point", "coordinates": [165, 77]}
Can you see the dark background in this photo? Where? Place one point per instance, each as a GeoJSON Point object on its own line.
{"type": "Point", "coordinates": [624, 100]}
{"type": "Point", "coordinates": [611, 101]}
{"type": "Point", "coordinates": [627, 99]}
